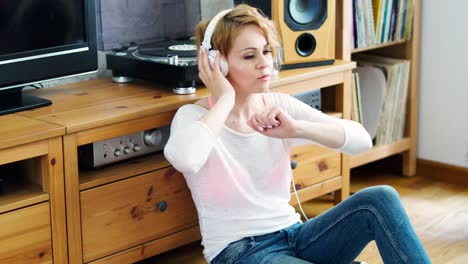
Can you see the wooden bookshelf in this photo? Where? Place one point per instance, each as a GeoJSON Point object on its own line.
{"type": "Point", "coordinates": [402, 49]}
{"type": "Point", "coordinates": [378, 46]}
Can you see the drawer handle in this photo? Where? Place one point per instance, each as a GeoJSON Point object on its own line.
{"type": "Point", "coordinates": [322, 166]}
{"type": "Point", "coordinates": [162, 206]}
{"type": "Point", "coordinates": [169, 172]}
{"type": "Point", "coordinates": [293, 164]}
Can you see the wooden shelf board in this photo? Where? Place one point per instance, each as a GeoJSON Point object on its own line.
{"type": "Point", "coordinates": [380, 152]}
{"type": "Point", "coordinates": [21, 195]}
{"type": "Point", "coordinates": [288, 77]}
{"type": "Point", "coordinates": [90, 178]}
{"type": "Point", "coordinates": [387, 44]}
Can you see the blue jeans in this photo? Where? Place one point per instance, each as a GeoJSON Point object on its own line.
{"type": "Point", "coordinates": [338, 235]}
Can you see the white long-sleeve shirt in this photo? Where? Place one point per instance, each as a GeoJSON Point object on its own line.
{"type": "Point", "coordinates": [240, 183]}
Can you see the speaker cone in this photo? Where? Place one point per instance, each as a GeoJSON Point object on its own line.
{"type": "Point", "coordinates": [305, 14]}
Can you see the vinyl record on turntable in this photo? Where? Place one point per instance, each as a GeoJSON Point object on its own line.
{"type": "Point", "coordinates": [169, 48]}
{"type": "Point", "coordinates": [172, 52]}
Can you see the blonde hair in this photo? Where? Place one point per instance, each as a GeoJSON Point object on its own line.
{"type": "Point", "coordinates": [229, 27]}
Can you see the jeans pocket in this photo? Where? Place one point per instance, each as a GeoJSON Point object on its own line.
{"type": "Point", "coordinates": [234, 251]}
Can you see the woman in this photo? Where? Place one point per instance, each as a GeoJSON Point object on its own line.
{"type": "Point", "coordinates": [233, 149]}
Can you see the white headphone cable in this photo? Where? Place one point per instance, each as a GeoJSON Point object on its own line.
{"type": "Point", "coordinates": [298, 200]}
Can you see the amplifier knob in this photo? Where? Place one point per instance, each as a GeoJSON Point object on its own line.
{"type": "Point", "coordinates": [152, 137]}
{"type": "Point", "coordinates": [126, 150]}
{"type": "Point", "coordinates": [136, 148]}
{"type": "Point", "coordinates": [117, 152]}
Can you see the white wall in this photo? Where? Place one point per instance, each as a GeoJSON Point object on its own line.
{"type": "Point", "coordinates": [443, 106]}
{"type": "Point", "coordinates": [209, 8]}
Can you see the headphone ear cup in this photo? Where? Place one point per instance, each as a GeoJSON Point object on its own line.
{"type": "Point", "coordinates": [223, 65]}
{"type": "Point", "coordinates": [222, 62]}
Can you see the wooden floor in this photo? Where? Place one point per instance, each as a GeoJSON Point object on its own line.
{"type": "Point", "coordinates": [438, 211]}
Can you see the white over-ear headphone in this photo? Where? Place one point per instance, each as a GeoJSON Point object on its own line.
{"type": "Point", "coordinates": [206, 44]}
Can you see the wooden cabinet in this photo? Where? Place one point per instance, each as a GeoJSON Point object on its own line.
{"type": "Point", "coordinates": [32, 200]}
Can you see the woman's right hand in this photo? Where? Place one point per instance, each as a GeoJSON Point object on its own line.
{"type": "Point", "coordinates": [212, 77]}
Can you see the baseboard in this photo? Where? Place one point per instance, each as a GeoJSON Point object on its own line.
{"type": "Point", "coordinates": [442, 171]}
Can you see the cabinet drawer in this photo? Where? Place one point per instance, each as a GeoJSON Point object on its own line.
{"type": "Point", "coordinates": [133, 211]}
{"type": "Point", "coordinates": [314, 164]}
{"type": "Point", "coordinates": [25, 235]}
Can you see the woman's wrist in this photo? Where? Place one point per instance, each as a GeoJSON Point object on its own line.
{"type": "Point", "coordinates": [299, 129]}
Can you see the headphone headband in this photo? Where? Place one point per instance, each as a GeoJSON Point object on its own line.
{"type": "Point", "coordinates": [211, 28]}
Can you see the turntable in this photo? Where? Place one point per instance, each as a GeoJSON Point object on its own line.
{"type": "Point", "coordinates": [171, 62]}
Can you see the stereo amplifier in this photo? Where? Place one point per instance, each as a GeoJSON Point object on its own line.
{"type": "Point", "coordinates": [124, 147]}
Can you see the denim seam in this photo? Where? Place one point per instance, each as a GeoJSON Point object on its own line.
{"type": "Point", "coordinates": [381, 221]}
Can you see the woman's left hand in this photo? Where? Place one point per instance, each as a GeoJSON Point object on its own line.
{"type": "Point", "coordinates": [274, 122]}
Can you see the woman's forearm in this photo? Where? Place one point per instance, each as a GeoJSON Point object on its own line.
{"type": "Point", "coordinates": [331, 135]}
{"type": "Point", "coordinates": [345, 136]}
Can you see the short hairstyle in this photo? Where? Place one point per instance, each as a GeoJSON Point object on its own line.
{"type": "Point", "coordinates": [229, 27]}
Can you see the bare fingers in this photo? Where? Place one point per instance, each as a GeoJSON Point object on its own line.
{"type": "Point", "coordinates": [266, 119]}
{"type": "Point", "coordinates": [203, 65]}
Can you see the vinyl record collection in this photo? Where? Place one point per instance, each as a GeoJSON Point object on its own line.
{"type": "Point", "coordinates": [381, 107]}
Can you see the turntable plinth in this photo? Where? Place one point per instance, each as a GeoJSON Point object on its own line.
{"type": "Point", "coordinates": [171, 62]}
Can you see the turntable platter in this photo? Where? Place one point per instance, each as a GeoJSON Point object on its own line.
{"type": "Point", "coordinates": [169, 48]}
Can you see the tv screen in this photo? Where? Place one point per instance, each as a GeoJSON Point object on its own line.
{"type": "Point", "coordinates": [36, 25]}
{"type": "Point", "coordinates": [43, 40]}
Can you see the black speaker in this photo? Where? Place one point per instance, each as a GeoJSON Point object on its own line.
{"type": "Point", "coordinates": [306, 28]}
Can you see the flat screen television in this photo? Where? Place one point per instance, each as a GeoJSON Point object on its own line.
{"type": "Point", "coordinates": [43, 40]}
